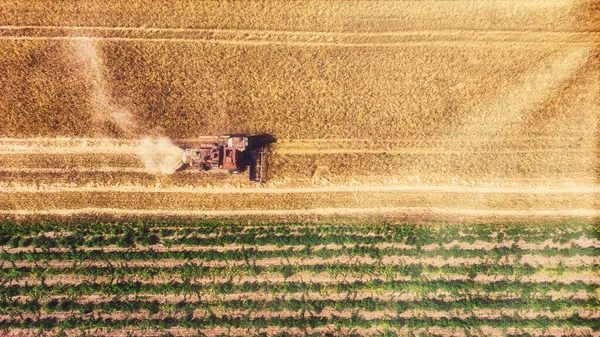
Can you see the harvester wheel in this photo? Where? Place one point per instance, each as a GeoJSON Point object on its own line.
{"type": "Point", "coordinates": [203, 167]}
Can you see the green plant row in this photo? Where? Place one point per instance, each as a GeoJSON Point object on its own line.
{"type": "Point", "coordinates": [455, 288]}
{"type": "Point", "coordinates": [304, 320]}
{"type": "Point", "coordinates": [412, 233]}
{"type": "Point", "coordinates": [130, 239]}
{"type": "Point", "coordinates": [280, 303]}
{"type": "Point", "coordinates": [243, 254]}
{"type": "Point", "coordinates": [191, 270]}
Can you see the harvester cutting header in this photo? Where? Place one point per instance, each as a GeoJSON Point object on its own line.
{"type": "Point", "coordinates": [233, 153]}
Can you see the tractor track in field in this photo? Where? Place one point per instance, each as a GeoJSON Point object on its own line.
{"type": "Point", "coordinates": [73, 169]}
{"type": "Point", "coordinates": [293, 190]}
{"type": "Point", "coordinates": [449, 32]}
{"type": "Point", "coordinates": [296, 38]}
{"type": "Point", "coordinates": [292, 151]}
{"type": "Point", "coordinates": [426, 151]}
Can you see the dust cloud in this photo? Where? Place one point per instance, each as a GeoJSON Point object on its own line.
{"type": "Point", "coordinates": [103, 108]}
{"type": "Point", "coordinates": [159, 155]}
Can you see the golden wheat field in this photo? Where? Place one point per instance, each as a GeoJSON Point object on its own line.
{"type": "Point", "coordinates": [434, 169]}
{"type": "Point", "coordinates": [386, 108]}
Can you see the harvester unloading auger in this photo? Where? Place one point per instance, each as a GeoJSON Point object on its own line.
{"type": "Point", "coordinates": [233, 153]}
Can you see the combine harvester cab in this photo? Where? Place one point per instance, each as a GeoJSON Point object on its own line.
{"type": "Point", "coordinates": [234, 153]}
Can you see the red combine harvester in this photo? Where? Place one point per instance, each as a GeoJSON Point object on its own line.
{"type": "Point", "coordinates": [233, 153]}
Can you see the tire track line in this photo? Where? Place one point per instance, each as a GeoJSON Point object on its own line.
{"type": "Point", "coordinates": [74, 169]}
{"type": "Point", "coordinates": [292, 151]}
{"type": "Point", "coordinates": [427, 151]}
{"type": "Point", "coordinates": [477, 33]}
{"type": "Point", "coordinates": [535, 190]}
{"type": "Point", "coordinates": [258, 43]}
{"type": "Point", "coordinates": [288, 32]}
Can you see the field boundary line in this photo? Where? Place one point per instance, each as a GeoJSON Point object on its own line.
{"type": "Point", "coordinates": [560, 213]}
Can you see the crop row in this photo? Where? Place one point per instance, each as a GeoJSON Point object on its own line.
{"type": "Point", "coordinates": [132, 239]}
{"type": "Point", "coordinates": [304, 320]}
{"type": "Point", "coordinates": [252, 254]}
{"type": "Point", "coordinates": [421, 234]}
{"type": "Point", "coordinates": [280, 304]}
{"type": "Point", "coordinates": [415, 271]}
{"type": "Point", "coordinates": [454, 287]}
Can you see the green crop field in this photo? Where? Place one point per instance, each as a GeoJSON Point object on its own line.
{"type": "Point", "coordinates": [213, 278]}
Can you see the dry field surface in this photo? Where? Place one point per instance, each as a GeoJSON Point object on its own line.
{"type": "Point", "coordinates": [443, 109]}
